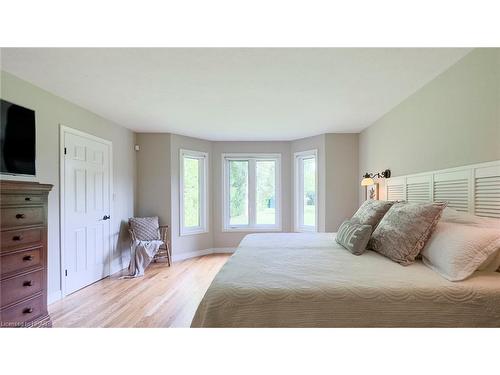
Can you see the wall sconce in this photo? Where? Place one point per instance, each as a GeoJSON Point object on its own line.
{"type": "Point", "coordinates": [368, 177]}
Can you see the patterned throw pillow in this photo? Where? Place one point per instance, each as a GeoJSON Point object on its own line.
{"type": "Point", "coordinates": [353, 236]}
{"type": "Point", "coordinates": [371, 212]}
{"type": "Point", "coordinates": [405, 229]}
{"type": "Point", "coordinates": [145, 228]}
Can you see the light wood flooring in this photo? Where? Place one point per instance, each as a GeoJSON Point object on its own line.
{"type": "Point", "coordinates": [164, 297]}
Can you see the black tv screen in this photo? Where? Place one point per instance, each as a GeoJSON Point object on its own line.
{"type": "Point", "coordinates": [17, 139]}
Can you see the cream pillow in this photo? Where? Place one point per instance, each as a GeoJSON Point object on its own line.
{"type": "Point", "coordinates": [453, 216]}
{"type": "Point", "coordinates": [492, 263]}
{"type": "Point", "coordinates": [455, 251]}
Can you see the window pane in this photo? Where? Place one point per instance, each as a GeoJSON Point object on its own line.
{"type": "Point", "coordinates": [191, 192]}
{"type": "Point", "coordinates": [238, 192]}
{"type": "Point", "coordinates": [309, 166]}
{"type": "Point", "coordinates": [266, 192]}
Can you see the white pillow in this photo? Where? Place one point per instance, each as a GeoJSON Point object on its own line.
{"type": "Point", "coordinates": [450, 215]}
{"type": "Point", "coordinates": [492, 263]}
{"type": "Point", "coordinates": [455, 251]}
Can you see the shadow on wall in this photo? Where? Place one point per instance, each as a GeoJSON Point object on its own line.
{"type": "Point", "coordinates": [122, 248]}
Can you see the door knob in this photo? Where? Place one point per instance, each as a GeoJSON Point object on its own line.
{"type": "Point", "coordinates": [106, 217]}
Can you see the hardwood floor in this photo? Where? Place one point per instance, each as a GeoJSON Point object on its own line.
{"type": "Point", "coordinates": [164, 297]}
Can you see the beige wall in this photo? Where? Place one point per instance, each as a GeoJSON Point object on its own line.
{"type": "Point", "coordinates": [51, 111]}
{"type": "Point", "coordinates": [306, 144]}
{"type": "Point", "coordinates": [153, 176]}
{"type": "Point", "coordinates": [342, 178]}
{"type": "Point", "coordinates": [454, 120]}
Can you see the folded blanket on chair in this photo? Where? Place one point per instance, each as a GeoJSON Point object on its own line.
{"type": "Point", "coordinates": [142, 254]}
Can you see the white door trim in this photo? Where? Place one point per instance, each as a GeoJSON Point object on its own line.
{"type": "Point", "coordinates": [62, 131]}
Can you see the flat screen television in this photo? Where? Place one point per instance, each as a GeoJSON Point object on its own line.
{"type": "Point", "coordinates": [17, 140]}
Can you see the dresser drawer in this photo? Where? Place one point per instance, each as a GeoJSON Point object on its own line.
{"type": "Point", "coordinates": [19, 287]}
{"type": "Point", "coordinates": [21, 261]}
{"type": "Point", "coordinates": [23, 312]}
{"type": "Point", "coordinates": [13, 217]}
{"type": "Point", "coordinates": [22, 199]}
{"type": "Point", "coordinates": [14, 239]}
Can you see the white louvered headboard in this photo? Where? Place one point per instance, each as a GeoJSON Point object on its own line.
{"type": "Point", "coordinates": [472, 188]}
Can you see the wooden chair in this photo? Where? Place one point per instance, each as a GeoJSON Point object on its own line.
{"type": "Point", "coordinates": [164, 251]}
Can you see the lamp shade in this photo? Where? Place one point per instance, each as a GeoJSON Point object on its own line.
{"type": "Point", "coordinates": [367, 181]}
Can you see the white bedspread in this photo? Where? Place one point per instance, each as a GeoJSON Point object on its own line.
{"type": "Point", "coordinates": [307, 280]}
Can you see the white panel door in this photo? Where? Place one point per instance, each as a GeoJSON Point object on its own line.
{"type": "Point", "coordinates": [87, 235]}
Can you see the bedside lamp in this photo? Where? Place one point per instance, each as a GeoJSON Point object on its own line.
{"type": "Point", "coordinates": [367, 180]}
{"type": "Point", "coordinates": [368, 177]}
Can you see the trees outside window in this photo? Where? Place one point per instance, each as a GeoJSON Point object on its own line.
{"type": "Point", "coordinates": [306, 191]}
{"type": "Point", "coordinates": [251, 192]}
{"type": "Point", "coordinates": [193, 192]}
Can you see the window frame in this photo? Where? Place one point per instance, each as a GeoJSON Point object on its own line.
{"type": "Point", "coordinates": [298, 158]}
{"type": "Point", "coordinates": [252, 225]}
{"type": "Point", "coordinates": [203, 192]}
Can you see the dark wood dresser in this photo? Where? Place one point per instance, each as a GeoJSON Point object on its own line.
{"type": "Point", "coordinates": [23, 251]}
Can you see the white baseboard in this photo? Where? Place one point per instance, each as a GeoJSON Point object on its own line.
{"type": "Point", "coordinates": [119, 264]}
{"type": "Point", "coordinates": [190, 254]}
{"type": "Point", "coordinates": [223, 250]}
{"type": "Point", "coordinates": [199, 253]}
{"type": "Point", "coordinates": [54, 296]}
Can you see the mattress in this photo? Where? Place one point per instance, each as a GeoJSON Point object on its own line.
{"type": "Point", "coordinates": [308, 280]}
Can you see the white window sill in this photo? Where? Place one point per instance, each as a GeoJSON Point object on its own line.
{"type": "Point", "coordinates": [192, 232]}
{"type": "Point", "coordinates": [252, 229]}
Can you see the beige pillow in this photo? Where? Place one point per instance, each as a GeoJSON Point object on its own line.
{"type": "Point", "coordinates": [353, 236]}
{"type": "Point", "coordinates": [371, 212]}
{"type": "Point", "coordinates": [455, 251]}
{"type": "Point", "coordinates": [404, 230]}
{"type": "Point", "coordinates": [145, 228]}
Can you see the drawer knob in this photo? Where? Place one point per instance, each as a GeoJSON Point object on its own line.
{"type": "Point", "coordinates": [28, 310]}
{"type": "Point", "coordinates": [17, 238]}
{"type": "Point", "coordinates": [28, 283]}
{"type": "Point", "coordinates": [27, 199]}
{"type": "Point", "coordinates": [28, 258]}
{"type": "Point", "coordinates": [20, 216]}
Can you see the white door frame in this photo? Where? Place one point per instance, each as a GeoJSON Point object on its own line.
{"type": "Point", "coordinates": [62, 131]}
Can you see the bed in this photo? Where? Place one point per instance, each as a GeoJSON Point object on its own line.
{"type": "Point", "coordinates": [308, 280]}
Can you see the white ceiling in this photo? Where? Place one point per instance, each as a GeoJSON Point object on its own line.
{"type": "Point", "coordinates": [233, 94]}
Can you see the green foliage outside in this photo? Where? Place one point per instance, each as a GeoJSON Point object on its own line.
{"type": "Point", "coordinates": [238, 192]}
{"type": "Point", "coordinates": [309, 191]}
{"type": "Point", "coordinates": [191, 192]}
{"type": "Point", "coordinates": [238, 180]}
{"type": "Point", "coordinates": [265, 194]}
